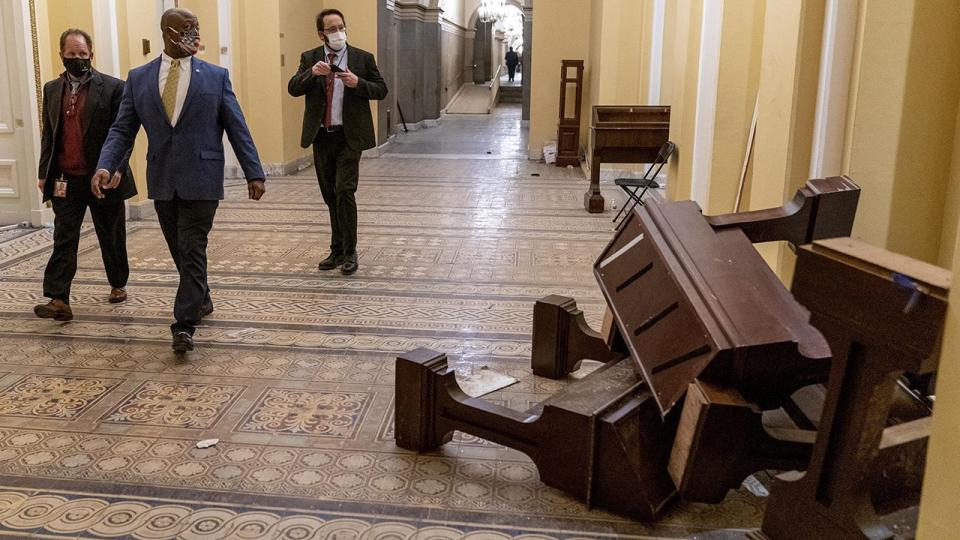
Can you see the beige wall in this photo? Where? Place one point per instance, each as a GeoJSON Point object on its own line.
{"type": "Point", "coordinates": [207, 13]}
{"type": "Point", "coordinates": [938, 508]}
{"type": "Point", "coordinates": [298, 31]}
{"type": "Point", "coordinates": [738, 81]}
{"type": "Point", "coordinates": [64, 14]}
{"type": "Point", "coordinates": [257, 63]}
{"type": "Point", "coordinates": [902, 124]}
{"type": "Point", "coordinates": [927, 128]}
{"type": "Point", "coordinates": [681, 77]}
{"type": "Point", "coordinates": [557, 36]}
{"type": "Point", "coordinates": [616, 42]}
{"type": "Point", "coordinates": [789, 68]}
{"type": "Point", "coordinates": [951, 205]}
{"type": "Point", "coordinates": [137, 20]}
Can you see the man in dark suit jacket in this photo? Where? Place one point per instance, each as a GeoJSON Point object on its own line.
{"type": "Point", "coordinates": [184, 105]}
{"type": "Point", "coordinates": [78, 108]}
{"type": "Point", "coordinates": [512, 59]}
{"type": "Point", "coordinates": [338, 81]}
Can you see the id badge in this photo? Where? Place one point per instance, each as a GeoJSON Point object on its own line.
{"type": "Point", "coordinates": [60, 189]}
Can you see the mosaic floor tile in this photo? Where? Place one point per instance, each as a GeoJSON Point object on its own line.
{"type": "Point", "coordinates": [300, 412]}
{"type": "Point", "coordinates": [179, 405]}
{"type": "Point", "coordinates": [56, 397]}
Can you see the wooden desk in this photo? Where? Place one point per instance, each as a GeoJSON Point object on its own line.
{"type": "Point", "coordinates": [624, 134]}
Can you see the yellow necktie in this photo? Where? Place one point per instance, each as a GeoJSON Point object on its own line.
{"type": "Point", "coordinates": [170, 89]}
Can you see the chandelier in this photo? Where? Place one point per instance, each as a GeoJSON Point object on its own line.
{"type": "Point", "coordinates": [492, 10]}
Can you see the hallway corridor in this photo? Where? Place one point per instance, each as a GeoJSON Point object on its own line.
{"type": "Point", "coordinates": [498, 135]}
{"type": "Point", "coordinates": [294, 371]}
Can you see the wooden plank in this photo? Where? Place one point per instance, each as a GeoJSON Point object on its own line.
{"type": "Point", "coordinates": [879, 261]}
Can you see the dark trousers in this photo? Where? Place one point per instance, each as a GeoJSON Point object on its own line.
{"type": "Point", "coordinates": [110, 223]}
{"type": "Point", "coordinates": [185, 226]}
{"type": "Point", "coordinates": [511, 70]}
{"type": "Point", "coordinates": [338, 171]}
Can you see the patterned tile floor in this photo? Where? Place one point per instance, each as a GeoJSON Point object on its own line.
{"type": "Point", "coordinates": [294, 371]}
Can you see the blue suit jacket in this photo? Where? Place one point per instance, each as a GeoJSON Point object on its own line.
{"type": "Point", "coordinates": [186, 160]}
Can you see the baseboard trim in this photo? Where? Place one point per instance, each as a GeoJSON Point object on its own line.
{"type": "Point", "coordinates": [423, 124]}
{"type": "Point", "coordinates": [141, 210]}
{"type": "Point", "coordinates": [286, 168]}
{"type": "Point", "coordinates": [15, 218]}
{"type": "Point", "coordinates": [378, 151]}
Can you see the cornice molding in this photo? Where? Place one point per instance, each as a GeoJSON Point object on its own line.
{"type": "Point", "coordinates": [416, 12]}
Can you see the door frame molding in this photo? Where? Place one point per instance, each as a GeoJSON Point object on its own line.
{"type": "Point", "coordinates": [25, 61]}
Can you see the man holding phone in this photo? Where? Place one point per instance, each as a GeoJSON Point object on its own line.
{"type": "Point", "coordinates": [339, 81]}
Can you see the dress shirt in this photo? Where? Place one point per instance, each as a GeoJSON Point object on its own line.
{"type": "Point", "coordinates": [183, 85]}
{"type": "Point", "coordinates": [336, 114]}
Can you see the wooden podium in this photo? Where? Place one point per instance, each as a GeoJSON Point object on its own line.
{"type": "Point", "coordinates": [568, 130]}
{"type": "Point", "coordinates": [624, 134]}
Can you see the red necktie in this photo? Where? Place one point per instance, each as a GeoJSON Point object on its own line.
{"type": "Point", "coordinates": [328, 115]}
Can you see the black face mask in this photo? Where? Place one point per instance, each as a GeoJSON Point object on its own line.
{"type": "Point", "coordinates": [78, 67]}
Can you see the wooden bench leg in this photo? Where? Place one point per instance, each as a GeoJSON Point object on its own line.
{"type": "Point", "coordinates": [562, 338]}
{"type": "Point", "coordinates": [420, 377]}
{"type": "Point", "coordinates": [602, 441]}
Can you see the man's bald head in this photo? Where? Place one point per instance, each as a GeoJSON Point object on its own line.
{"type": "Point", "coordinates": [181, 32]}
{"type": "Point", "coordinates": [173, 17]}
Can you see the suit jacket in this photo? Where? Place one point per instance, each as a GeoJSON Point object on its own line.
{"type": "Point", "coordinates": [357, 120]}
{"type": "Point", "coordinates": [186, 160]}
{"type": "Point", "coordinates": [103, 103]}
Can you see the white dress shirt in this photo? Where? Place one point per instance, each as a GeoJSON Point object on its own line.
{"type": "Point", "coordinates": [183, 85]}
{"type": "Point", "coordinates": [336, 114]}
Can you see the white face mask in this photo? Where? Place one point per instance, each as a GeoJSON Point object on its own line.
{"type": "Point", "coordinates": [336, 40]}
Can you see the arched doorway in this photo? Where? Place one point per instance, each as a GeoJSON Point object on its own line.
{"type": "Point", "coordinates": [492, 39]}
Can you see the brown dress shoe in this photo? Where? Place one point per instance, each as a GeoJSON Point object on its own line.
{"type": "Point", "coordinates": [57, 310]}
{"type": "Point", "coordinates": [117, 295]}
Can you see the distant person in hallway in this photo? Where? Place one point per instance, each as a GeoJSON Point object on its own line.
{"type": "Point", "coordinates": [78, 108]}
{"type": "Point", "coordinates": [339, 80]}
{"type": "Point", "coordinates": [184, 105]}
{"type": "Point", "coordinates": [513, 60]}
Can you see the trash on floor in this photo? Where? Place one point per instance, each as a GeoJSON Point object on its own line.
{"type": "Point", "coordinates": [476, 381]}
{"type": "Point", "coordinates": [207, 443]}
{"type": "Point", "coordinates": [550, 153]}
{"type": "Point", "coordinates": [242, 333]}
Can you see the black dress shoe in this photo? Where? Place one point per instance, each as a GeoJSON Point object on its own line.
{"type": "Point", "coordinates": [205, 309]}
{"type": "Point", "coordinates": [350, 265]}
{"type": "Point", "coordinates": [332, 261]}
{"type": "Point", "coordinates": [182, 341]}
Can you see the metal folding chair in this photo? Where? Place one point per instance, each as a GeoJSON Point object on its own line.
{"type": "Point", "coordinates": [631, 186]}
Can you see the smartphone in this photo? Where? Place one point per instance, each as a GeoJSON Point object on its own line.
{"type": "Point", "coordinates": [335, 68]}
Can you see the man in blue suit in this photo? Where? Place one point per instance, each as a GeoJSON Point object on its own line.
{"type": "Point", "coordinates": [185, 105]}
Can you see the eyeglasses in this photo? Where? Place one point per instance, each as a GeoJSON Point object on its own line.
{"type": "Point", "coordinates": [340, 28]}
